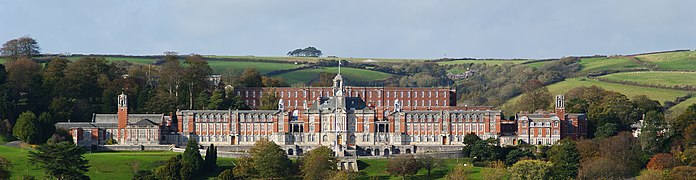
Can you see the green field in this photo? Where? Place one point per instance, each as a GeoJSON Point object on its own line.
{"type": "Point", "coordinates": [218, 66]}
{"type": "Point", "coordinates": [685, 60]}
{"type": "Point", "coordinates": [654, 77]}
{"type": "Point", "coordinates": [489, 62]}
{"type": "Point", "coordinates": [349, 74]}
{"type": "Point", "coordinates": [601, 64]}
{"type": "Point", "coordinates": [117, 165]}
{"type": "Point", "coordinates": [683, 105]}
{"type": "Point", "coordinates": [537, 64]}
{"type": "Point", "coordinates": [630, 91]}
{"type": "Point", "coordinates": [239, 67]}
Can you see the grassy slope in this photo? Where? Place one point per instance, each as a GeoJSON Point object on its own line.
{"type": "Point", "coordinates": [601, 64]}
{"type": "Point", "coordinates": [537, 64]}
{"type": "Point", "coordinates": [685, 60]}
{"type": "Point", "coordinates": [658, 94]}
{"type": "Point", "coordinates": [630, 91]}
{"type": "Point", "coordinates": [683, 105]}
{"type": "Point", "coordinates": [490, 62]}
{"type": "Point", "coordinates": [239, 67]}
{"type": "Point", "coordinates": [349, 74]}
{"type": "Point", "coordinates": [661, 78]}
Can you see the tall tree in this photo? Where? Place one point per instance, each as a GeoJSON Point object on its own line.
{"type": "Point", "coordinates": [171, 75]}
{"type": "Point", "coordinates": [250, 78]}
{"type": "Point", "coordinates": [191, 161]}
{"type": "Point", "coordinates": [565, 158]}
{"type": "Point", "coordinates": [537, 99]}
{"type": "Point", "coordinates": [269, 160]}
{"type": "Point", "coordinates": [274, 82]}
{"type": "Point", "coordinates": [269, 101]}
{"type": "Point", "coordinates": [61, 160]}
{"type": "Point", "coordinates": [652, 135]}
{"type": "Point", "coordinates": [684, 120]}
{"type": "Point", "coordinates": [27, 128]}
{"type": "Point", "coordinates": [23, 47]}
{"type": "Point", "coordinates": [216, 101]}
{"type": "Point", "coordinates": [325, 79]}
{"type": "Point", "coordinates": [196, 74]}
{"type": "Point", "coordinates": [319, 163]}
{"type": "Point", "coordinates": [46, 126]}
{"type": "Point", "coordinates": [211, 157]}
{"type": "Point", "coordinates": [53, 73]}
{"type": "Point", "coordinates": [20, 74]}
{"type": "Point", "coordinates": [86, 78]}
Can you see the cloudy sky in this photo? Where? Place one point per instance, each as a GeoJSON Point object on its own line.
{"type": "Point", "coordinates": [356, 28]}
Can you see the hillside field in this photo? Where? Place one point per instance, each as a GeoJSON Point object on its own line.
{"type": "Point", "coordinates": [117, 165]}
{"type": "Point", "coordinates": [683, 105]}
{"type": "Point", "coordinates": [239, 66]}
{"type": "Point", "coordinates": [658, 78]}
{"type": "Point", "coordinates": [537, 64]}
{"type": "Point", "coordinates": [354, 74]}
{"type": "Point", "coordinates": [630, 91]}
{"type": "Point", "coordinates": [601, 64]}
{"type": "Point", "coordinates": [685, 60]}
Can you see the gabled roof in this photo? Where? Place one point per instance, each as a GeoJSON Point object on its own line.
{"type": "Point", "coordinates": [145, 122]}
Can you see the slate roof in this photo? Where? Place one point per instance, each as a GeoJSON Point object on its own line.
{"type": "Point", "coordinates": [330, 103]}
{"type": "Point", "coordinates": [145, 122]}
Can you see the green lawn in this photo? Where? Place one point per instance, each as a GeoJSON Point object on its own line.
{"type": "Point", "coordinates": [117, 165]}
{"type": "Point", "coordinates": [685, 60]}
{"type": "Point", "coordinates": [600, 64]}
{"type": "Point", "coordinates": [349, 74]}
{"type": "Point", "coordinates": [490, 62]}
{"type": "Point", "coordinates": [104, 165]}
{"type": "Point", "coordinates": [659, 78]}
{"type": "Point", "coordinates": [377, 168]}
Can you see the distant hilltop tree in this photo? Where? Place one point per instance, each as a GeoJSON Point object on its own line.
{"type": "Point", "coordinates": [306, 52]}
{"type": "Point", "coordinates": [23, 47]}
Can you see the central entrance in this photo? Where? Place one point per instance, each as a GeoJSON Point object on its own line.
{"type": "Point", "coordinates": [339, 139]}
{"type": "Point", "coordinates": [444, 140]}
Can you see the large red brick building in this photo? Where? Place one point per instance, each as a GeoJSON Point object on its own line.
{"type": "Point", "coordinates": [352, 120]}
